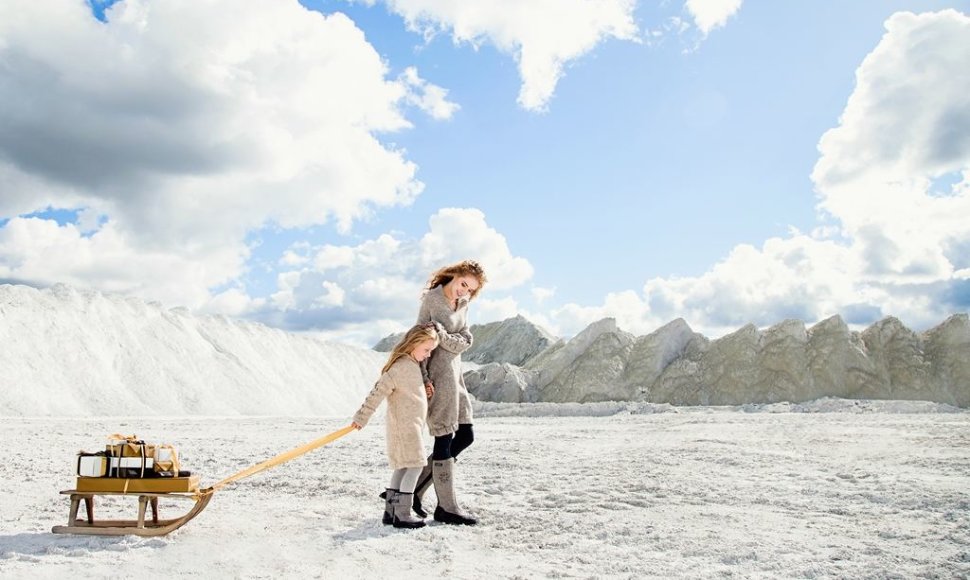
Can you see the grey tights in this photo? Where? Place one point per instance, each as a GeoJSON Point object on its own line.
{"type": "Point", "coordinates": [405, 479]}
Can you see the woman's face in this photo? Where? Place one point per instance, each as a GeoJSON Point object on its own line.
{"type": "Point", "coordinates": [461, 286]}
{"type": "Point", "coordinates": [423, 350]}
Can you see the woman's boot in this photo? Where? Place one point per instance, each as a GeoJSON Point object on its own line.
{"type": "Point", "coordinates": [402, 517]}
{"type": "Point", "coordinates": [448, 510]}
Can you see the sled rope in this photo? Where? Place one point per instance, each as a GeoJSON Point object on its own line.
{"type": "Point", "coordinates": [281, 458]}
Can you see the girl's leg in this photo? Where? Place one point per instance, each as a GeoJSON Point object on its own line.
{"type": "Point", "coordinates": [409, 479]}
{"type": "Point", "coordinates": [390, 494]}
{"type": "Point", "coordinates": [396, 477]}
{"type": "Point", "coordinates": [401, 505]}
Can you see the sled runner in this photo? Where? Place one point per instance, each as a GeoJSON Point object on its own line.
{"type": "Point", "coordinates": [139, 527]}
{"type": "Point", "coordinates": [149, 490]}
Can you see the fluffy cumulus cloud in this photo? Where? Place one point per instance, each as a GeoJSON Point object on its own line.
{"type": "Point", "coordinates": [711, 14]}
{"type": "Point", "coordinates": [175, 130]}
{"type": "Point", "coordinates": [364, 291]}
{"type": "Point", "coordinates": [893, 181]}
{"type": "Point", "coordinates": [542, 35]}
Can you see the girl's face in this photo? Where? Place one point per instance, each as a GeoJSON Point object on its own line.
{"type": "Point", "coordinates": [461, 287]}
{"type": "Point", "coordinates": [423, 350]}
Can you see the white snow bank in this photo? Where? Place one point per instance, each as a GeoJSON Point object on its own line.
{"type": "Point", "coordinates": [69, 352]}
{"type": "Point", "coordinates": [608, 408]}
{"type": "Point", "coordinates": [705, 495]}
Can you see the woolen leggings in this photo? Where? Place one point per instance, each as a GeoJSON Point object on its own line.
{"type": "Point", "coordinates": [405, 479]}
{"type": "Point", "coordinates": [450, 445]}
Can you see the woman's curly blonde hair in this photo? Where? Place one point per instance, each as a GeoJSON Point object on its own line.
{"type": "Point", "coordinates": [463, 268]}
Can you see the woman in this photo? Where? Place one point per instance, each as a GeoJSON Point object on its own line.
{"type": "Point", "coordinates": [445, 304]}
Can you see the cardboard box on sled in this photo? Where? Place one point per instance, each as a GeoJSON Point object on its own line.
{"type": "Point", "coordinates": [148, 485]}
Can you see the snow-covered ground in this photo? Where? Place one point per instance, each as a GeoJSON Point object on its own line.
{"type": "Point", "coordinates": [825, 490]}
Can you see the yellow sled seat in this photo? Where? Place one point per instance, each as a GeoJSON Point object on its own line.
{"type": "Point", "coordinates": [147, 485]}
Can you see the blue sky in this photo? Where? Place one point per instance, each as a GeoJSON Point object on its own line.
{"type": "Point", "coordinates": [308, 165]}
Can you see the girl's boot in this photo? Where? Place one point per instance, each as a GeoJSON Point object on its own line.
{"type": "Point", "coordinates": [402, 517]}
{"type": "Point", "coordinates": [388, 496]}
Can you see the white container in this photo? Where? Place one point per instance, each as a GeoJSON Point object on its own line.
{"type": "Point", "coordinates": [133, 462]}
{"type": "Point", "coordinates": [165, 454]}
{"type": "Point", "coordinates": [92, 465]}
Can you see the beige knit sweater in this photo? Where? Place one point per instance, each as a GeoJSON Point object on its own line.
{"type": "Point", "coordinates": [407, 407]}
{"type": "Point", "coordinates": [450, 404]}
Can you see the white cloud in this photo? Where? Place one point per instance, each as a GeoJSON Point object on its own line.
{"type": "Point", "coordinates": [341, 288]}
{"type": "Point", "coordinates": [232, 302]}
{"type": "Point", "coordinates": [489, 309]}
{"type": "Point", "coordinates": [906, 124]}
{"type": "Point", "coordinates": [627, 307]}
{"type": "Point", "coordinates": [184, 129]}
{"type": "Point", "coordinates": [332, 296]}
{"type": "Point", "coordinates": [901, 248]}
{"type": "Point", "coordinates": [43, 253]}
{"type": "Point", "coordinates": [540, 294]}
{"type": "Point", "coordinates": [543, 36]}
{"type": "Point", "coordinates": [711, 14]}
{"type": "Point", "coordinates": [458, 233]}
{"type": "Point", "coordinates": [428, 97]}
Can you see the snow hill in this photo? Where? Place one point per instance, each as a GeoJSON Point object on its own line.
{"type": "Point", "coordinates": [514, 340]}
{"type": "Point", "coordinates": [70, 352]}
{"type": "Point", "coordinates": [786, 362]}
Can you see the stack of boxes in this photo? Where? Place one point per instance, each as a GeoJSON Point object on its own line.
{"type": "Point", "coordinates": [128, 464]}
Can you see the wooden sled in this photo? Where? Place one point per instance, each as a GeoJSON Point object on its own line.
{"type": "Point", "coordinates": [139, 527]}
{"type": "Point", "coordinates": [150, 489]}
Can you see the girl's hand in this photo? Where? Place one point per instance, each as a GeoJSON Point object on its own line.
{"type": "Point", "coordinates": [429, 389]}
{"type": "Point", "coordinates": [356, 425]}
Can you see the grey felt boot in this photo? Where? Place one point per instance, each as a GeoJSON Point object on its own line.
{"type": "Point", "coordinates": [402, 517]}
{"type": "Point", "coordinates": [388, 496]}
{"type": "Point", "coordinates": [424, 482]}
{"type": "Point", "coordinates": [448, 510]}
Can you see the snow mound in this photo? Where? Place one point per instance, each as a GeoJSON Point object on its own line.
{"type": "Point", "coordinates": [70, 352]}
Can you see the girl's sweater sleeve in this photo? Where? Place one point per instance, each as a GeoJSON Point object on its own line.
{"type": "Point", "coordinates": [382, 388]}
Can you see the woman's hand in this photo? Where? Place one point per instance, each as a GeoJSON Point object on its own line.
{"type": "Point", "coordinates": [356, 425]}
{"type": "Point", "coordinates": [429, 389]}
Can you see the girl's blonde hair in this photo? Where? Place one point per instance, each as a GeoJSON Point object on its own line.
{"type": "Point", "coordinates": [412, 338]}
{"type": "Point", "coordinates": [463, 268]}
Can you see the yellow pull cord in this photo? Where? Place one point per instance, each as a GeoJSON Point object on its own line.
{"type": "Point", "coordinates": [281, 458]}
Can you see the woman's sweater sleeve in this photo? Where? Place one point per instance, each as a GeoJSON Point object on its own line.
{"type": "Point", "coordinates": [424, 316]}
{"type": "Point", "coordinates": [456, 342]}
{"type": "Point", "coordinates": [382, 388]}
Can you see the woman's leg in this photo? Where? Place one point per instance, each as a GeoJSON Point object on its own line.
{"type": "Point", "coordinates": [442, 468]}
{"type": "Point", "coordinates": [463, 438]}
{"type": "Point", "coordinates": [442, 447]}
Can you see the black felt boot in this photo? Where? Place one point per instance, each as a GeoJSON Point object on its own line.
{"type": "Point", "coordinates": [388, 496]}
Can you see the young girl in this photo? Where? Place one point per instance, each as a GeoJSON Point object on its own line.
{"type": "Point", "coordinates": [407, 397]}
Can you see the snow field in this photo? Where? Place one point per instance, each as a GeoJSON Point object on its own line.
{"type": "Point", "coordinates": [693, 493]}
